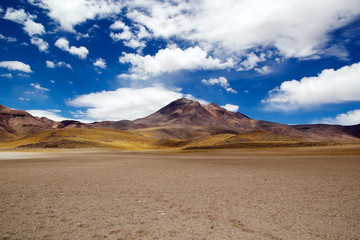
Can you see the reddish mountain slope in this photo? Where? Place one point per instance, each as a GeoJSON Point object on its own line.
{"type": "Point", "coordinates": [17, 123]}
{"type": "Point", "coordinates": [186, 113]}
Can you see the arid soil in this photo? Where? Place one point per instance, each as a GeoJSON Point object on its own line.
{"type": "Point", "coordinates": [290, 193]}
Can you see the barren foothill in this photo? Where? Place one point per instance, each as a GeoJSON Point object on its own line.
{"type": "Point", "coordinates": [288, 193]}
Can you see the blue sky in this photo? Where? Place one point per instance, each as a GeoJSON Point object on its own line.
{"type": "Point", "coordinates": [285, 61]}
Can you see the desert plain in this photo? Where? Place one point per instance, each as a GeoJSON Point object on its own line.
{"type": "Point", "coordinates": [270, 193]}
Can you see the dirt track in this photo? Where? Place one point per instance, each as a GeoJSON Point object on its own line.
{"type": "Point", "coordinates": [243, 194]}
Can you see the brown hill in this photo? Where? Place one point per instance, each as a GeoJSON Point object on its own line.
{"type": "Point", "coordinates": [330, 133]}
{"type": "Point", "coordinates": [185, 112]}
{"type": "Point", "coordinates": [18, 123]}
{"type": "Point", "coordinates": [187, 119]}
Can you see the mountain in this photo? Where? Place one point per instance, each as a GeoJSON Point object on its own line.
{"type": "Point", "coordinates": [182, 123]}
{"type": "Point", "coordinates": [18, 123]}
{"type": "Point", "coordinates": [187, 119]}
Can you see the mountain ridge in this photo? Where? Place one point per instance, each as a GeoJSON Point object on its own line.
{"type": "Point", "coordinates": [185, 121]}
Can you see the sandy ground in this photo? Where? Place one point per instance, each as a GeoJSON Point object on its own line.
{"type": "Point", "coordinates": [298, 193]}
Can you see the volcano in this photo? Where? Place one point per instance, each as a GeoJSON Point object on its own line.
{"type": "Point", "coordinates": [186, 121]}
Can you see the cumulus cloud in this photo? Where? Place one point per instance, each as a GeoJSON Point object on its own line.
{"type": "Point", "coordinates": [70, 13]}
{"type": "Point", "coordinates": [30, 27]}
{"type": "Point", "coordinates": [251, 61]}
{"type": "Point", "coordinates": [349, 118]}
{"type": "Point", "coordinates": [80, 52]}
{"type": "Point", "coordinates": [130, 39]}
{"type": "Point", "coordinates": [40, 43]}
{"type": "Point", "coordinates": [330, 86]}
{"type": "Point", "coordinates": [227, 27]}
{"type": "Point", "coordinates": [20, 16]}
{"type": "Point", "coordinates": [51, 64]}
{"type": "Point", "coordinates": [222, 81]}
{"type": "Point", "coordinates": [170, 60]}
{"type": "Point", "coordinates": [126, 34]}
{"type": "Point", "coordinates": [16, 66]}
{"type": "Point", "coordinates": [39, 88]}
{"type": "Point", "coordinates": [124, 103]}
{"type": "Point", "coordinates": [230, 107]}
{"type": "Point", "coordinates": [100, 63]}
{"type": "Point", "coordinates": [33, 28]}
{"type": "Point", "coordinates": [294, 28]}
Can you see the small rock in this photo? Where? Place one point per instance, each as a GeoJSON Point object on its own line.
{"type": "Point", "coordinates": [160, 213]}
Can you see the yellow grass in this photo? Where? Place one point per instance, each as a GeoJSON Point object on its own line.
{"type": "Point", "coordinates": [93, 137]}
{"type": "Point", "coordinates": [148, 139]}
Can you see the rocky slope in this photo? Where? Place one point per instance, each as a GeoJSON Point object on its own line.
{"type": "Point", "coordinates": [18, 123]}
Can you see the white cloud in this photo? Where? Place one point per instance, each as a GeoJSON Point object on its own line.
{"type": "Point", "coordinates": [126, 34]}
{"type": "Point", "coordinates": [101, 63]}
{"type": "Point", "coordinates": [63, 64]}
{"type": "Point", "coordinates": [230, 107]}
{"type": "Point", "coordinates": [24, 99]}
{"type": "Point", "coordinates": [8, 39]}
{"type": "Point", "coordinates": [23, 75]}
{"type": "Point", "coordinates": [16, 66]}
{"type": "Point", "coordinates": [330, 86]}
{"type": "Point", "coordinates": [130, 39]}
{"type": "Point", "coordinates": [39, 88]}
{"type": "Point", "coordinates": [51, 64]}
{"type": "Point", "coordinates": [222, 81]}
{"type": "Point", "coordinates": [251, 61]}
{"type": "Point", "coordinates": [40, 43]}
{"type": "Point", "coordinates": [70, 13]}
{"type": "Point", "coordinates": [134, 43]}
{"type": "Point", "coordinates": [124, 103]}
{"type": "Point", "coordinates": [6, 75]}
{"type": "Point", "coordinates": [18, 16]}
{"type": "Point", "coordinates": [119, 36]}
{"type": "Point", "coordinates": [263, 70]}
{"type": "Point", "coordinates": [51, 114]}
{"type": "Point", "coordinates": [142, 32]}
{"type": "Point", "coordinates": [63, 44]}
{"type": "Point", "coordinates": [349, 118]}
{"type": "Point", "coordinates": [294, 28]}
{"type": "Point", "coordinates": [33, 28]}
{"type": "Point", "coordinates": [170, 60]}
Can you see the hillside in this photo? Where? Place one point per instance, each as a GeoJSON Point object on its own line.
{"type": "Point", "coordinates": [18, 123]}
{"type": "Point", "coordinates": [83, 138]}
